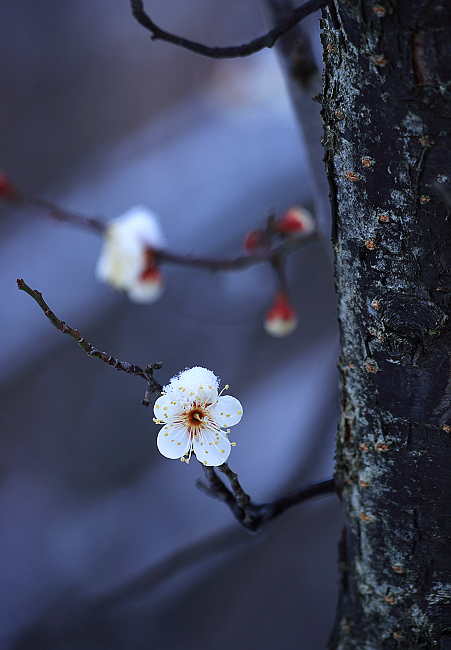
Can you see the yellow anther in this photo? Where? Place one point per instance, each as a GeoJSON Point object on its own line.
{"type": "Point", "coordinates": [233, 444]}
{"type": "Point", "coordinates": [226, 386]}
{"type": "Point", "coordinates": [240, 412]}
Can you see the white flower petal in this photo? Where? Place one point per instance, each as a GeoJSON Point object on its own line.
{"type": "Point", "coordinates": [165, 408]}
{"type": "Point", "coordinates": [173, 442]}
{"type": "Point", "coordinates": [194, 379]}
{"type": "Point", "coordinates": [118, 265]}
{"type": "Point", "coordinates": [190, 402]}
{"type": "Point", "coordinates": [211, 449]}
{"type": "Point", "coordinates": [124, 255]}
{"type": "Point", "coordinates": [227, 411]}
{"type": "Point", "coordinates": [139, 225]}
{"type": "Point", "coordinates": [205, 395]}
{"type": "Point", "coordinates": [146, 291]}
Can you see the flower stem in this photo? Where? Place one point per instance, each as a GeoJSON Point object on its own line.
{"type": "Point", "coordinates": [244, 500]}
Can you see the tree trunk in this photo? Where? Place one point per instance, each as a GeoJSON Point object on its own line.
{"type": "Point", "coordinates": [387, 110]}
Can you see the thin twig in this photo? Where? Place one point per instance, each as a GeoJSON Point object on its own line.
{"type": "Point", "coordinates": [152, 385]}
{"type": "Point", "coordinates": [268, 40]}
{"type": "Point", "coordinates": [60, 214]}
{"type": "Point", "coordinates": [243, 261]}
{"type": "Point", "coordinates": [250, 515]}
{"type": "Point", "coordinates": [275, 508]}
{"type": "Point", "coordinates": [278, 262]}
{"type": "Point", "coordinates": [275, 256]}
{"type": "Point", "coordinates": [243, 499]}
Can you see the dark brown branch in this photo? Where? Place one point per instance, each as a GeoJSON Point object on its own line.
{"type": "Point", "coordinates": [310, 491]}
{"type": "Point", "coordinates": [58, 213]}
{"type": "Point", "coordinates": [268, 40]}
{"type": "Point", "coordinates": [279, 265]}
{"type": "Point", "coordinates": [250, 515]}
{"type": "Point", "coordinates": [243, 499]}
{"type": "Point", "coordinates": [243, 261]}
{"type": "Point", "coordinates": [275, 255]}
{"type": "Point", "coordinates": [147, 373]}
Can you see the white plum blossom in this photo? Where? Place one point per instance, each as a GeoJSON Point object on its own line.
{"type": "Point", "coordinates": [194, 416]}
{"type": "Point", "coordinates": [126, 261]}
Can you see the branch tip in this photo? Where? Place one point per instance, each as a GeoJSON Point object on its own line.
{"type": "Point", "coordinates": [152, 385]}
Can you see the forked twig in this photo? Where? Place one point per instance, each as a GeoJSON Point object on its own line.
{"type": "Point", "coordinates": [250, 515]}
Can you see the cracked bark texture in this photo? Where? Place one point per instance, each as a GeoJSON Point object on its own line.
{"type": "Point", "coordinates": [387, 115]}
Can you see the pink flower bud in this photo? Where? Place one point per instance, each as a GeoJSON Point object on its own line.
{"type": "Point", "coordinates": [281, 319]}
{"type": "Point", "coordinates": [296, 221]}
{"type": "Point", "coordinates": [7, 189]}
{"type": "Point", "coordinates": [257, 241]}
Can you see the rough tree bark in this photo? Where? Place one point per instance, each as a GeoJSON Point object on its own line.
{"type": "Point", "coordinates": [387, 111]}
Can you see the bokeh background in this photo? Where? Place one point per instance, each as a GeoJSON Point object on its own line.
{"type": "Point", "coordinates": [103, 542]}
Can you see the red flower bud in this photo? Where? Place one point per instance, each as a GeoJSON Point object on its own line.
{"type": "Point", "coordinates": [257, 241]}
{"type": "Point", "coordinates": [296, 221]}
{"type": "Point", "coordinates": [281, 319]}
{"type": "Point", "coordinates": [7, 190]}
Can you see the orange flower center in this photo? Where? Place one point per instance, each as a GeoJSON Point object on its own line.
{"type": "Point", "coordinates": [195, 417]}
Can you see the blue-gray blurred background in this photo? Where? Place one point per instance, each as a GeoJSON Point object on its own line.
{"type": "Point", "coordinates": [105, 544]}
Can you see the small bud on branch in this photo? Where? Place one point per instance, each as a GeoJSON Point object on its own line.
{"type": "Point", "coordinates": [7, 189]}
{"type": "Point", "coordinates": [281, 319]}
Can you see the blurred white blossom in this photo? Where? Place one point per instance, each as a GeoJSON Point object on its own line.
{"type": "Point", "coordinates": [126, 260]}
{"type": "Point", "coordinates": [194, 416]}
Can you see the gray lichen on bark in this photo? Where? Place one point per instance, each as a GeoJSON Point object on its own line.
{"type": "Point", "coordinates": [387, 110]}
